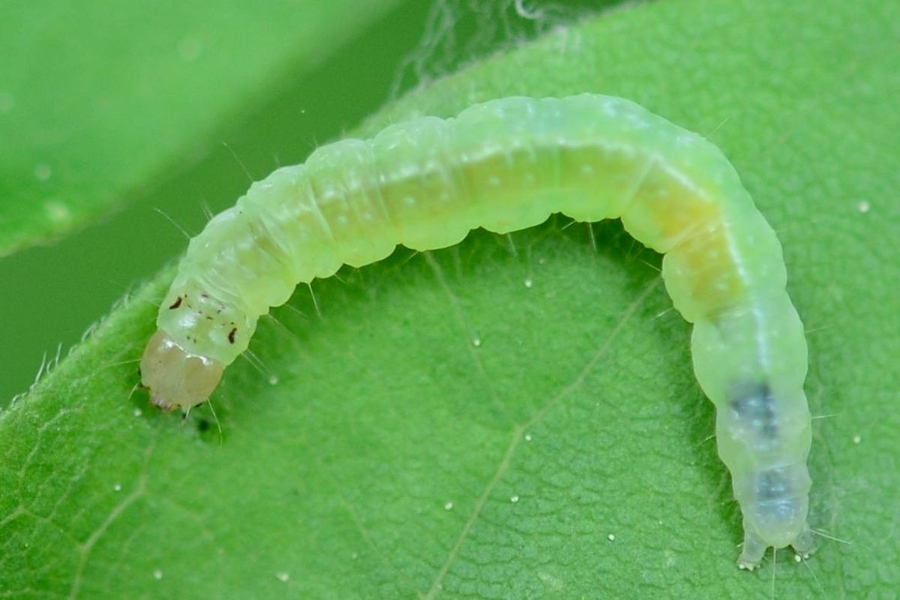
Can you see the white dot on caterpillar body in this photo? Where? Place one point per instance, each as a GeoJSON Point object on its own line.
{"type": "Point", "coordinates": [283, 577]}
{"type": "Point", "coordinates": [157, 574]}
{"type": "Point", "coordinates": [476, 342]}
{"type": "Point", "coordinates": [857, 439]}
{"type": "Point", "coordinates": [514, 498]}
{"type": "Point", "coordinates": [863, 207]}
{"type": "Point", "coordinates": [448, 506]}
{"type": "Point", "coordinates": [529, 283]}
{"type": "Point", "coordinates": [611, 537]}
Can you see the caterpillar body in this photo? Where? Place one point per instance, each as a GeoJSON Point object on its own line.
{"type": "Point", "coordinates": [505, 165]}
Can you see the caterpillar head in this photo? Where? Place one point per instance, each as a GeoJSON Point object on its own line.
{"type": "Point", "coordinates": [175, 377]}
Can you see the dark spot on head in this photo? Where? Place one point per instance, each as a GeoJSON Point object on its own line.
{"type": "Point", "coordinates": [176, 304]}
{"type": "Point", "coordinates": [753, 405]}
{"type": "Point", "coordinates": [204, 295]}
{"type": "Point", "coordinates": [203, 425]}
{"type": "Point", "coordinates": [231, 335]}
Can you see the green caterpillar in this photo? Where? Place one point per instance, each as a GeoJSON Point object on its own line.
{"type": "Point", "coordinates": [506, 165]}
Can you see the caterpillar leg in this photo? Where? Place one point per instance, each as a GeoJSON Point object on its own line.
{"type": "Point", "coordinates": [804, 545]}
{"type": "Point", "coordinates": [754, 548]}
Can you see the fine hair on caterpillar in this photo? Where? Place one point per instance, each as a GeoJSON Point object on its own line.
{"type": "Point", "coordinates": [506, 165]}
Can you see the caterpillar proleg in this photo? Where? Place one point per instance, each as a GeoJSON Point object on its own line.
{"type": "Point", "coordinates": [505, 165]}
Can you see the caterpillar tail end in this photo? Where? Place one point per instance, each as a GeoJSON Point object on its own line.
{"type": "Point", "coordinates": [754, 548]}
{"type": "Point", "coordinates": [175, 377]}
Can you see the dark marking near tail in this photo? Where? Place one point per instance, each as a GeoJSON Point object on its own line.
{"type": "Point", "coordinates": [772, 485]}
{"type": "Point", "coordinates": [176, 304]}
{"type": "Point", "coordinates": [753, 404]}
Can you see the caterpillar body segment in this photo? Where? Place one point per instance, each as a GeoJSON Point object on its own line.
{"type": "Point", "coordinates": [506, 165]}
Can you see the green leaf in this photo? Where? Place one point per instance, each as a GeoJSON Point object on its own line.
{"type": "Point", "coordinates": [167, 84]}
{"type": "Point", "coordinates": [516, 416]}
